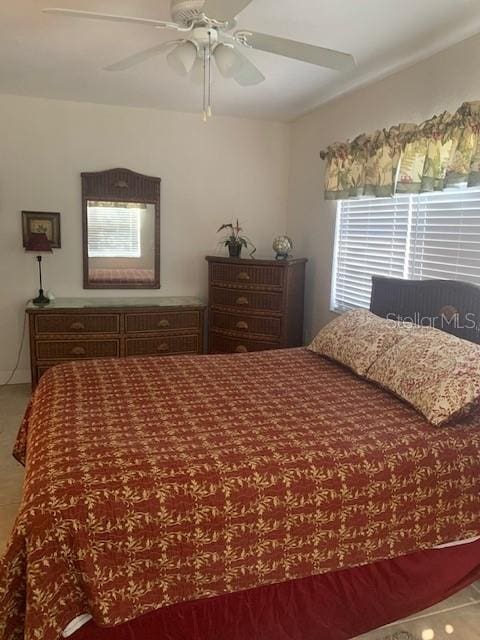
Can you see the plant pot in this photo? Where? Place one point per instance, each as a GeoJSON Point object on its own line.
{"type": "Point", "coordinates": [234, 250]}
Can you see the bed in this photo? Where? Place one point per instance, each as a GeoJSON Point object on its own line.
{"type": "Point", "coordinates": [116, 276]}
{"type": "Point", "coordinates": [251, 497]}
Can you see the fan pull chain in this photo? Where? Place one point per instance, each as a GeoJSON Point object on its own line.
{"type": "Point", "coordinates": [205, 116]}
{"type": "Point", "coordinates": [209, 107]}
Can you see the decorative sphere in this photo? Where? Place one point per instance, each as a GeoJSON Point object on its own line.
{"type": "Point", "coordinates": [282, 247]}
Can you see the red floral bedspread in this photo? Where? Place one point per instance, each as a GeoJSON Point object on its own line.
{"type": "Point", "coordinates": [159, 480]}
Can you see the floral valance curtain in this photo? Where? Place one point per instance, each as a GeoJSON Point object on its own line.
{"type": "Point", "coordinates": [439, 153]}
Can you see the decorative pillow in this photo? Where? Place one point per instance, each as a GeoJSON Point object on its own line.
{"type": "Point", "coordinates": [437, 373]}
{"type": "Point", "coordinates": [358, 338]}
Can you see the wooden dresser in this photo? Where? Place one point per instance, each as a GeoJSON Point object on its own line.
{"type": "Point", "coordinates": [255, 305]}
{"type": "Point", "coordinates": [85, 328]}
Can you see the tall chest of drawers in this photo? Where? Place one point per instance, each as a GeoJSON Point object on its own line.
{"type": "Point", "coordinates": [255, 305]}
{"type": "Point", "coordinates": [80, 329]}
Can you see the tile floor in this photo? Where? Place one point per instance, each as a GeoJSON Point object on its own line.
{"type": "Point", "coordinates": [458, 618]}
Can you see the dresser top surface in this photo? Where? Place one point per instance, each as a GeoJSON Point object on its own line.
{"type": "Point", "coordinates": [117, 303]}
{"type": "Point", "coordinates": [257, 261]}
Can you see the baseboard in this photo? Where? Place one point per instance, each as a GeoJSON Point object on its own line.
{"type": "Point", "coordinates": [22, 376]}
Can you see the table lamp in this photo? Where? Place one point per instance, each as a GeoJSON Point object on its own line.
{"type": "Point", "coordinates": [39, 243]}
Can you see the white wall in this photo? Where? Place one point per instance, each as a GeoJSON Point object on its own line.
{"type": "Point", "coordinates": [210, 174]}
{"type": "Point", "coordinates": [440, 83]}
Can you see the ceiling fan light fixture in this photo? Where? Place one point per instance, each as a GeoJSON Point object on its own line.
{"type": "Point", "coordinates": [207, 23]}
{"type": "Point", "coordinates": [229, 62]}
{"type": "Point", "coordinates": [182, 58]}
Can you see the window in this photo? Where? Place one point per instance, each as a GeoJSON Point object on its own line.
{"type": "Point", "coordinates": [114, 231]}
{"type": "Point", "coordinates": [426, 236]}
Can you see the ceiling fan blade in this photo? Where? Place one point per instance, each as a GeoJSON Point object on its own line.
{"type": "Point", "coordinates": [298, 50]}
{"type": "Point", "coordinates": [224, 10]}
{"type": "Point", "coordinates": [159, 24]}
{"type": "Point", "coordinates": [141, 56]}
{"type": "Point", "coordinates": [248, 75]}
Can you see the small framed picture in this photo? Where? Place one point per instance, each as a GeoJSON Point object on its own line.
{"type": "Point", "coordinates": [41, 222]}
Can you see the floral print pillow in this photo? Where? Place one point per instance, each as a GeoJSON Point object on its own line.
{"type": "Point", "coordinates": [358, 338]}
{"type": "Point", "coordinates": [437, 373]}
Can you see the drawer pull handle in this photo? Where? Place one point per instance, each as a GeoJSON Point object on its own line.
{"type": "Point", "coordinates": [78, 351]}
{"type": "Point", "coordinates": [162, 348]}
{"type": "Point", "coordinates": [242, 325]}
{"type": "Point", "coordinates": [243, 275]}
{"type": "Point", "coordinates": [77, 326]}
{"type": "Point", "coordinates": [243, 301]}
{"type": "Point", "coordinates": [163, 324]}
{"type": "Point", "coordinates": [241, 349]}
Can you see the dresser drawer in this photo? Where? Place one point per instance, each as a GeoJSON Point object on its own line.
{"type": "Point", "coordinates": [74, 323]}
{"type": "Point", "coordinates": [166, 345]}
{"type": "Point", "coordinates": [246, 299]}
{"type": "Point", "coordinates": [224, 344]}
{"type": "Point", "coordinates": [145, 322]}
{"type": "Point", "coordinates": [268, 276]}
{"type": "Point", "coordinates": [244, 323]}
{"type": "Point", "coordinates": [76, 349]}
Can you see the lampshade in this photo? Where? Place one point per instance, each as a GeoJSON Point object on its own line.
{"type": "Point", "coordinates": [182, 58]}
{"type": "Point", "coordinates": [38, 242]}
{"type": "Point", "coordinates": [196, 75]}
{"type": "Point", "coordinates": [229, 62]}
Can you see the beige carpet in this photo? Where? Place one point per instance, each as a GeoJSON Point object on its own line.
{"type": "Point", "coordinates": [13, 400]}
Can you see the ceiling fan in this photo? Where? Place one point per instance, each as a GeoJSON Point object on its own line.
{"type": "Point", "coordinates": [207, 28]}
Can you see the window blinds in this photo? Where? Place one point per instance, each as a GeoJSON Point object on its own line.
{"type": "Point", "coordinates": [114, 232]}
{"type": "Point", "coordinates": [371, 239]}
{"type": "Point", "coordinates": [446, 236]}
{"type": "Point", "coordinates": [426, 236]}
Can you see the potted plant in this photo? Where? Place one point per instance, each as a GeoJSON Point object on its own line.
{"type": "Point", "coordinates": [234, 241]}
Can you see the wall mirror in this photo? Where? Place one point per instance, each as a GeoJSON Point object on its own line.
{"type": "Point", "coordinates": [121, 230]}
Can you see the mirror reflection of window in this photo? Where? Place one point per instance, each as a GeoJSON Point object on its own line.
{"type": "Point", "coordinates": [114, 229]}
{"type": "Point", "coordinates": [121, 243]}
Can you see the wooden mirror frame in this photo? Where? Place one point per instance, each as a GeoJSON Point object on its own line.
{"type": "Point", "coordinates": [120, 185]}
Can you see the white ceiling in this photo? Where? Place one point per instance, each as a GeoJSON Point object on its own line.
{"type": "Point", "coordinates": [51, 56]}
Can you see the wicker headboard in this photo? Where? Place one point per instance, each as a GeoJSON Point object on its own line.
{"type": "Point", "coordinates": [445, 304]}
